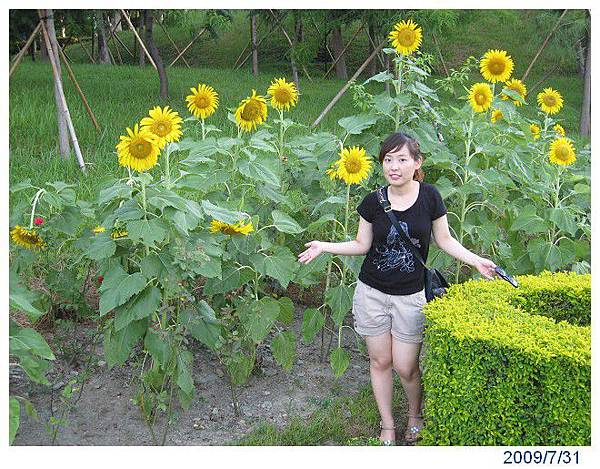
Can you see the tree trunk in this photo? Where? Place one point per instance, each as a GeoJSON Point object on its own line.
{"type": "Point", "coordinates": [142, 20]}
{"type": "Point", "coordinates": [154, 53]}
{"type": "Point", "coordinates": [103, 56]}
{"type": "Point", "coordinates": [63, 132]}
{"type": "Point", "coordinates": [337, 46]}
{"type": "Point", "coordinates": [372, 68]}
{"type": "Point", "coordinates": [32, 50]}
{"type": "Point", "coordinates": [117, 21]}
{"type": "Point", "coordinates": [254, 47]}
{"type": "Point", "coordinates": [586, 105]}
{"type": "Point", "coordinates": [43, 51]}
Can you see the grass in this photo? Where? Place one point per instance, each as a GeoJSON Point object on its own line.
{"type": "Point", "coordinates": [336, 422]}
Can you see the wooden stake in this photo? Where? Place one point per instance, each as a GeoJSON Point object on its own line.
{"type": "Point", "coordinates": [240, 56]}
{"type": "Point", "coordinates": [172, 42]}
{"type": "Point", "coordinates": [347, 85]}
{"type": "Point", "coordinates": [81, 95]}
{"type": "Point", "coordinates": [22, 52]}
{"type": "Point", "coordinates": [382, 63]}
{"type": "Point", "coordinates": [52, 55]}
{"type": "Point", "coordinates": [137, 36]}
{"type": "Point", "coordinates": [343, 50]}
{"type": "Point", "coordinates": [440, 53]}
{"type": "Point", "coordinates": [86, 51]}
{"type": "Point", "coordinates": [543, 46]}
{"type": "Point", "coordinates": [241, 64]}
{"type": "Point", "coordinates": [188, 46]}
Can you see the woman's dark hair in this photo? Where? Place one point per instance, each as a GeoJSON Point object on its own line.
{"type": "Point", "coordinates": [396, 141]}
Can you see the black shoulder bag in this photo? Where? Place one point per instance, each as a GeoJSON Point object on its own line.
{"type": "Point", "coordinates": [435, 283]}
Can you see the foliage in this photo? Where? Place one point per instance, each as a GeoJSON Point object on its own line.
{"type": "Point", "coordinates": [504, 368]}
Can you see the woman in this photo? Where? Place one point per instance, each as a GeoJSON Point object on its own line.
{"type": "Point", "coordinates": [389, 295]}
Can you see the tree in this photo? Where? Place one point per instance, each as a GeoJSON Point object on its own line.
{"type": "Point", "coordinates": [103, 55]}
{"type": "Point", "coordinates": [586, 105]}
{"type": "Point", "coordinates": [154, 53]}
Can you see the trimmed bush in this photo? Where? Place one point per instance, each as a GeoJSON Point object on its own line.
{"type": "Point", "coordinates": [506, 366]}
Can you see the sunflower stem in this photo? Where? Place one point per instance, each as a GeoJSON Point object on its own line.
{"type": "Point", "coordinates": [203, 129]}
{"type": "Point", "coordinates": [167, 167]}
{"type": "Point", "coordinates": [144, 205]}
{"type": "Point", "coordinates": [398, 87]}
{"type": "Point", "coordinates": [34, 205]}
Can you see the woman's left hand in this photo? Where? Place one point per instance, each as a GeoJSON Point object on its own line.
{"type": "Point", "coordinates": [485, 267]}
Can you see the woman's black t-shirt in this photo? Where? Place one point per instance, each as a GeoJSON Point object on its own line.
{"type": "Point", "coordinates": [390, 266]}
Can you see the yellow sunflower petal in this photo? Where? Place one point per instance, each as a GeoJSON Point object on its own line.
{"type": "Point", "coordinates": [480, 97]}
{"type": "Point", "coordinates": [496, 65]}
{"type": "Point", "coordinates": [283, 94]}
{"type": "Point", "coordinates": [139, 150]}
{"type": "Point", "coordinates": [203, 102]}
{"type": "Point", "coordinates": [517, 86]}
{"type": "Point", "coordinates": [406, 37]}
{"type": "Point", "coordinates": [550, 101]}
{"type": "Point", "coordinates": [562, 152]}
{"type": "Point", "coordinates": [251, 112]}
{"type": "Point", "coordinates": [29, 239]}
{"type": "Point", "coordinates": [353, 166]}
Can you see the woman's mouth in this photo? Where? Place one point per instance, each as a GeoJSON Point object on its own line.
{"type": "Point", "coordinates": [394, 176]}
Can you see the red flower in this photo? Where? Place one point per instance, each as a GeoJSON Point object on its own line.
{"type": "Point", "coordinates": [100, 279]}
{"type": "Point", "coordinates": [38, 221]}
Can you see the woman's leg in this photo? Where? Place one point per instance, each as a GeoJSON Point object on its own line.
{"type": "Point", "coordinates": [380, 354]}
{"type": "Point", "coordinates": [406, 363]}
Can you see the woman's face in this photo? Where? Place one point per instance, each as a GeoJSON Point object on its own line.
{"type": "Point", "coordinates": [399, 166]}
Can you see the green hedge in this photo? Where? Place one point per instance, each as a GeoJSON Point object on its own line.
{"type": "Point", "coordinates": [506, 366]}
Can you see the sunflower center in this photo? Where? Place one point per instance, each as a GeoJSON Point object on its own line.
{"type": "Point", "coordinates": [480, 98]}
{"type": "Point", "coordinates": [229, 229]}
{"type": "Point", "coordinates": [161, 128]}
{"type": "Point", "coordinates": [497, 66]}
{"type": "Point", "coordinates": [563, 153]}
{"type": "Point", "coordinates": [549, 100]}
{"type": "Point", "coordinates": [406, 37]}
{"type": "Point", "coordinates": [140, 149]}
{"type": "Point", "coordinates": [251, 111]}
{"type": "Point", "coordinates": [283, 95]}
{"type": "Point", "coordinates": [201, 101]}
{"type": "Point", "coordinates": [353, 165]}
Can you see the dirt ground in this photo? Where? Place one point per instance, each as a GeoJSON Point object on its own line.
{"type": "Point", "coordinates": [105, 415]}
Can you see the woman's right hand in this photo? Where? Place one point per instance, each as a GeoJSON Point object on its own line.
{"type": "Point", "coordinates": [314, 249]}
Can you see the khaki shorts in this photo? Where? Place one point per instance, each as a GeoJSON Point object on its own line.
{"type": "Point", "coordinates": [376, 313]}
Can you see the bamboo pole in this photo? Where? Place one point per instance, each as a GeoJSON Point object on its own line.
{"type": "Point", "coordinates": [22, 52]}
{"type": "Point", "coordinates": [123, 45]}
{"type": "Point", "coordinates": [343, 50]}
{"type": "Point", "coordinates": [440, 53]}
{"type": "Point", "coordinates": [289, 42]}
{"type": "Point", "coordinates": [347, 85]}
{"type": "Point", "coordinates": [81, 95]}
{"type": "Point", "coordinates": [240, 65]}
{"type": "Point", "coordinates": [86, 51]}
{"type": "Point", "coordinates": [188, 46]}
{"type": "Point", "coordinates": [381, 62]}
{"type": "Point", "coordinates": [65, 109]}
{"type": "Point", "coordinates": [240, 56]}
{"type": "Point", "coordinates": [137, 36]}
{"type": "Point", "coordinates": [172, 42]}
{"type": "Point", "coordinates": [543, 46]}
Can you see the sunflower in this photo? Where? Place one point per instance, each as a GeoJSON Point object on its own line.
{"type": "Point", "coordinates": [480, 97]}
{"type": "Point", "coordinates": [559, 130]}
{"type": "Point", "coordinates": [406, 37]}
{"type": "Point", "coordinates": [251, 112]}
{"type": "Point", "coordinates": [283, 94]}
{"type": "Point", "coordinates": [139, 149]}
{"type": "Point", "coordinates": [535, 131]}
{"type": "Point", "coordinates": [562, 152]}
{"type": "Point", "coordinates": [118, 234]}
{"type": "Point", "coordinates": [239, 228]}
{"type": "Point", "coordinates": [550, 101]}
{"type": "Point", "coordinates": [496, 114]}
{"type": "Point", "coordinates": [29, 239]}
{"type": "Point", "coordinates": [99, 229]}
{"type": "Point", "coordinates": [203, 101]}
{"type": "Point", "coordinates": [517, 86]}
{"type": "Point", "coordinates": [164, 123]}
{"type": "Point", "coordinates": [352, 167]}
{"type": "Point", "coordinates": [496, 66]}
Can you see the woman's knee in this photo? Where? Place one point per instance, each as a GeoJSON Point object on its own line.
{"type": "Point", "coordinates": [381, 362]}
{"type": "Point", "coordinates": [407, 371]}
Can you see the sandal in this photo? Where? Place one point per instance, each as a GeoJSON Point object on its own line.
{"type": "Point", "coordinates": [413, 433]}
{"type": "Point", "coordinates": [387, 442]}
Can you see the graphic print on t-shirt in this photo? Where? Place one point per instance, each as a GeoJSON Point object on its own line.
{"type": "Point", "coordinates": [394, 254]}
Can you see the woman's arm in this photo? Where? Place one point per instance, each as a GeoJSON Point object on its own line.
{"type": "Point", "coordinates": [356, 247]}
{"type": "Point", "coordinates": [445, 241]}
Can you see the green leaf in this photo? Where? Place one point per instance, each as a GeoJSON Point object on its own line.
{"type": "Point", "coordinates": [339, 299]}
{"type": "Point", "coordinates": [117, 191]}
{"type": "Point", "coordinates": [239, 367]}
{"type": "Point", "coordinates": [312, 323]}
{"type": "Point", "coordinates": [564, 220]}
{"type": "Point", "coordinates": [283, 347]}
{"type": "Point", "coordinates": [148, 232]}
{"type": "Point", "coordinates": [139, 307]}
{"type": "Point", "coordinates": [286, 311]}
{"type": "Point", "coordinates": [222, 214]}
{"type": "Point", "coordinates": [283, 222]}
{"type": "Point", "coordinates": [118, 287]}
{"type": "Point", "coordinates": [26, 184]}
{"type": "Point", "coordinates": [260, 169]}
{"type": "Point", "coordinates": [380, 77]}
{"type": "Point", "coordinates": [201, 324]}
{"type": "Point", "coordinates": [22, 299]}
{"type": "Point", "coordinates": [232, 279]}
{"type": "Point", "coordinates": [544, 255]}
{"type": "Point", "coordinates": [258, 317]}
{"type": "Point", "coordinates": [321, 221]}
{"type": "Point", "coordinates": [157, 344]}
{"type": "Point", "coordinates": [14, 411]}
{"type": "Point", "coordinates": [354, 125]}
{"type": "Point", "coordinates": [26, 339]}
{"type": "Point", "coordinates": [166, 198]}
{"type": "Point", "coordinates": [280, 264]}
{"type": "Point", "coordinates": [384, 103]}
{"type": "Point", "coordinates": [118, 345]}
{"type": "Point", "coordinates": [529, 222]}
{"type": "Point", "coordinates": [184, 371]}
{"type": "Point", "coordinates": [339, 360]}
{"type": "Point", "coordinates": [101, 247]}
{"type": "Point", "coordinates": [67, 221]}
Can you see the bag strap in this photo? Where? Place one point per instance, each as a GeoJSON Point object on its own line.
{"type": "Point", "coordinates": [387, 208]}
